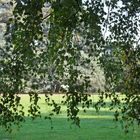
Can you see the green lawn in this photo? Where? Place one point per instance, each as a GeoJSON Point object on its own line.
{"type": "Point", "coordinates": [93, 126]}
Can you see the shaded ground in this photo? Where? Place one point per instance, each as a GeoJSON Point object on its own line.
{"type": "Point", "coordinates": [93, 127]}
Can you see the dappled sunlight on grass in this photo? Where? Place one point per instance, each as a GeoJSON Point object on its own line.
{"type": "Point", "coordinates": [58, 98]}
{"type": "Point", "coordinates": [93, 125]}
{"type": "Point", "coordinates": [87, 116]}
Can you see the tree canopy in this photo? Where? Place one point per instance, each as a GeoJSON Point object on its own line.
{"type": "Point", "coordinates": [56, 39]}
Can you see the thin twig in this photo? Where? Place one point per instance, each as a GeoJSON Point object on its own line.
{"type": "Point", "coordinates": [46, 16]}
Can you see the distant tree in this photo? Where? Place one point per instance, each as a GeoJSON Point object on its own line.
{"type": "Point", "coordinates": [107, 31]}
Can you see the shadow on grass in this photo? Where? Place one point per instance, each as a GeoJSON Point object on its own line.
{"type": "Point", "coordinates": [93, 127]}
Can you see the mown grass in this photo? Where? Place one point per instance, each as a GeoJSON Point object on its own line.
{"type": "Point", "coordinates": [94, 126]}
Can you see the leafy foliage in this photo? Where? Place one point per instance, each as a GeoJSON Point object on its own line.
{"type": "Point", "coordinates": [107, 32]}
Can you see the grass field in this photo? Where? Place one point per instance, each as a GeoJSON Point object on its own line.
{"type": "Point", "coordinates": [93, 126]}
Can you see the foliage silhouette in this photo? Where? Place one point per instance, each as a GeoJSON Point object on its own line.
{"type": "Point", "coordinates": [45, 40]}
